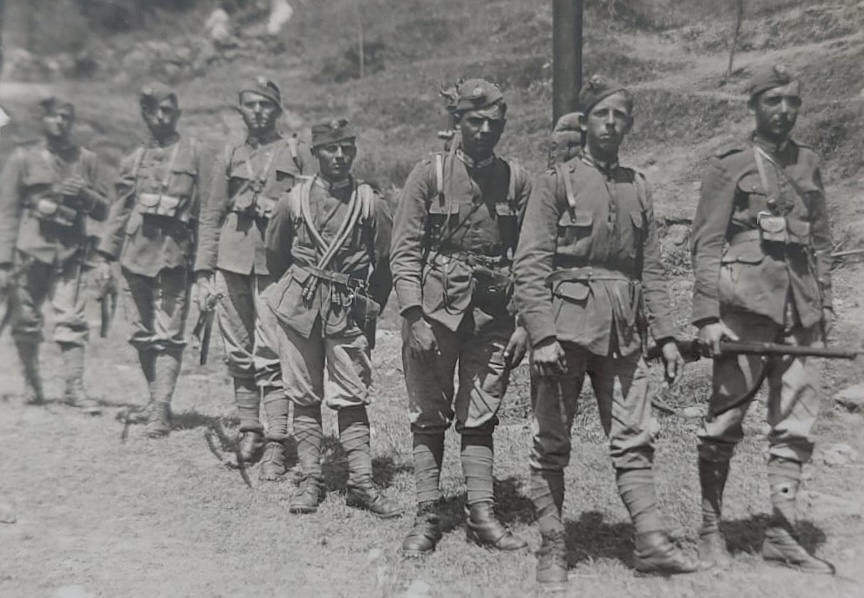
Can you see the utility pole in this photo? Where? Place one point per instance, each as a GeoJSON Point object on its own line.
{"type": "Point", "coordinates": [566, 56]}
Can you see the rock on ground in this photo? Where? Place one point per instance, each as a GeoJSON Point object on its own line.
{"type": "Point", "coordinates": [852, 397]}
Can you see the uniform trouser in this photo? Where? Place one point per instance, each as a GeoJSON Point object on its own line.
{"type": "Point", "coordinates": [621, 387]}
{"type": "Point", "coordinates": [61, 284]}
{"type": "Point", "coordinates": [159, 307]}
{"type": "Point", "coordinates": [478, 351]}
{"type": "Point", "coordinates": [793, 402]}
{"type": "Point", "coordinates": [250, 349]}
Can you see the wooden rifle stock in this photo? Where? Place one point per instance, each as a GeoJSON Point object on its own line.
{"type": "Point", "coordinates": [691, 351]}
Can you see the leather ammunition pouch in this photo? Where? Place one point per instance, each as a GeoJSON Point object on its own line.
{"type": "Point", "coordinates": [259, 207]}
{"type": "Point", "coordinates": [159, 204]}
{"type": "Point", "coordinates": [779, 229]}
{"type": "Point", "coordinates": [48, 210]}
{"type": "Point", "coordinates": [490, 289]}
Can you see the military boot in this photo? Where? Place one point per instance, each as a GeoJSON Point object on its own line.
{"type": "Point", "coordinates": [781, 546]}
{"type": "Point", "coordinates": [250, 444]}
{"type": "Point", "coordinates": [167, 369]}
{"type": "Point", "coordinates": [310, 436]}
{"type": "Point", "coordinates": [273, 462]}
{"type": "Point", "coordinates": [655, 553]}
{"type": "Point", "coordinates": [484, 529]}
{"type": "Point", "coordinates": [247, 400]}
{"type": "Point", "coordinates": [73, 371]}
{"type": "Point", "coordinates": [147, 359]}
{"type": "Point", "coordinates": [426, 533]}
{"type": "Point", "coordinates": [712, 544]}
{"type": "Point", "coordinates": [552, 559]}
{"type": "Point", "coordinates": [28, 353]}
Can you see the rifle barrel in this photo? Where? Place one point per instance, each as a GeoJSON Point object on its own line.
{"type": "Point", "coordinates": [757, 348]}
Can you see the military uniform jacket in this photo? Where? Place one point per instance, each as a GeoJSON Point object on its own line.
{"type": "Point", "coordinates": [585, 265]}
{"type": "Point", "coordinates": [452, 218]}
{"type": "Point", "coordinates": [152, 224]}
{"type": "Point", "coordinates": [32, 175]}
{"type": "Point", "coordinates": [735, 268]}
{"type": "Point", "coordinates": [248, 181]}
{"type": "Point", "coordinates": [293, 256]}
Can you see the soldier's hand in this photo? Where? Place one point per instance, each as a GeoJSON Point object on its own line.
{"type": "Point", "coordinates": [514, 352]}
{"type": "Point", "coordinates": [72, 186]}
{"type": "Point", "coordinates": [673, 361]}
{"type": "Point", "coordinates": [548, 359]}
{"type": "Point", "coordinates": [205, 289]}
{"type": "Point", "coordinates": [710, 336]}
{"type": "Point", "coordinates": [828, 318]}
{"type": "Point", "coordinates": [104, 275]}
{"type": "Point", "coordinates": [422, 342]}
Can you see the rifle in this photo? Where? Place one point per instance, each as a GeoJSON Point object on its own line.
{"type": "Point", "coordinates": [106, 294]}
{"type": "Point", "coordinates": [691, 351]}
{"type": "Point", "coordinates": [204, 326]}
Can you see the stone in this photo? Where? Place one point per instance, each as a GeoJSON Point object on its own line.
{"type": "Point", "coordinates": [838, 454]}
{"type": "Point", "coordinates": [692, 412]}
{"type": "Point", "coordinates": [852, 397]}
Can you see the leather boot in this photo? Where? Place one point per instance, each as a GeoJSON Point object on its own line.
{"type": "Point", "coordinates": [655, 553]}
{"type": "Point", "coordinates": [552, 559]}
{"type": "Point", "coordinates": [426, 533]}
{"type": "Point", "coordinates": [310, 493]}
{"type": "Point", "coordinates": [484, 529]}
{"type": "Point", "coordinates": [147, 359]}
{"type": "Point", "coordinates": [247, 400]}
{"type": "Point", "coordinates": [309, 435]}
{"type": "Point", "coordinates": [366, 495]}
{"type": "Point", "coordinates": [167, 369]}
{"type": "Point", "coordinates": [28, 353]}
{"type": "Point", "coordinates": [273, 462]}
{"type": "Point", "coordinates": [712, 544]}
{"type": "Point", "coordinates": [250, 444]}
{"type": "Point", "coordinates": [73, 372]}
{"type": "Point", "coordinates": [781, 545]}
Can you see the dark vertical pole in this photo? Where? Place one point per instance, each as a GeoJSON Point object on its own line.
{"type": "Point", "coordinates": [566, 56]}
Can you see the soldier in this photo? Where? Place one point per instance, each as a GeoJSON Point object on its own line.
{"type": "Point", "coordinates": [327, 245]}
{"type": "Point", "coordinates": [762, 261]}
{"type": "Point", "coordinates": [46, 195]}
{"type": "Point", "coordinates": [455, 233]}
{"type": "Point", "coordinates": [248, 180]}
{"type": "Point", "coordinates": [151, 232]}
{"type": "Point", "coordinates": [587, 258]}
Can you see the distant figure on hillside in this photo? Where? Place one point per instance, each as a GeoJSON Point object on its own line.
{"type": "Point", "coordinates": [47, 193]}
{"type": "Point", "coordinates": [762, 262]}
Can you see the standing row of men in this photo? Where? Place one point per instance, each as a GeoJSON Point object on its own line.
{"type": "Point", "coordinates": [484, 265]}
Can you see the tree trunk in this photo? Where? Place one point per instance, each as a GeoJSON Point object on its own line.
{"type": "Point", "coordinates": [739, 18]}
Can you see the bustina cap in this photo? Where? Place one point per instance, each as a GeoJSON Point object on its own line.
{"type": "Point", "coordinates": [52, 104]}
{"type": "Point", "coordinates": [595, 90]}
{"type": "Point", "coordinates": [768, 77]}
{"type": "Point", "coordinates": [264, 87]}
{"type": "Point", "coordinates": [477, 94]}
{"type": "Point", "coordinates": [156, 92]}
{"type": "Point", "coordinates": [332, 132]}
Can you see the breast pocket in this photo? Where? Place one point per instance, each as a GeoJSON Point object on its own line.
{"type": "Point", "coordinates": [182, 182]}
{"type": "Point", "coordinates": [751, 189]}
{"type": "Point", "coordinates": [575, 229]}
{"type": "Point", "coordinates": [440, 218]}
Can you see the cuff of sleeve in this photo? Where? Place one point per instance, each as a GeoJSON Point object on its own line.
{"type": "Point", "coordinates": [705, 309]}
{"type": "Point", "coordinates": [409, 295]}
{"type": "Point", "coordinates": [539, 326]}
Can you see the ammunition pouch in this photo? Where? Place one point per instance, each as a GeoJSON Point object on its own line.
{"type": "Point", "coordinates": [159, 204]}
{"type": "Point", "coordinates": [779, 229]}
{"type": "Point", "coordinates": [491, 290]}
{"type": "Point", "coordinates": [48, 210]}
{"type": "Point", "coordinates": [257, 206]}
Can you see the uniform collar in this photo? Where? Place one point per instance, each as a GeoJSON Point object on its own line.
{"type": "Point", "coordinates": [255, 142]}
{"type": "Point", "coordinates": [61, 150]}
{"type": "Point", "coordinates": [773, 149]}
{"type": "Point", "coordinates": [471, 163]}
{"type": "Point", "coordinates": [607, 168]}
{"type": "Point", "coordinates": [334, 186]}
{"type": "Point", "coordinates": [167, 142]}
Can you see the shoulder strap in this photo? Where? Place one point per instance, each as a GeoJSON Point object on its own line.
{"type": "Point", "coordinates": [348, 224]}
{"type": "Point", "coordinates": [568, 185]}
{"type": "Point", "coordinates": [439, 177]}
{"type": "Point", "coordinates": [641, 190]}
{"type": "Point", "coordinates": [295, 156]}
{"type": "Point", "coordinates": [517, 173]}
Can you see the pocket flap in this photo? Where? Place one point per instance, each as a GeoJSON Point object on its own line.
{"type": "Point", "coordinates": [47, 207]}
{"type": "Point", "coordinates": [436, 207]}
{"type": "Point", "coordinates": [749, 252]}
{"type": "Point", "coordinates": [301, 275]}
{"type": "Point", "coordinates": [504, 209]}
{"type": "Point", "coordinates": [799, 228]}
{"type": "Point", "coordinates": [751, 184]}
{"type": "Point", "coordinates": [149, 200]}
{"type": "Point", "coordinates": [772, 224]}
{"type": "Point", "coordinates": [577, 218]}
{"type": "Point", "coordinates": [576, 290]}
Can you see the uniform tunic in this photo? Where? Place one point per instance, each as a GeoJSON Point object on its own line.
{"type": "Point", "coordinates": [49, 254]}
{"type": "Point", "coordinates": [764, 290]}
{"type": "Point", "coordinates": [248, 181]}
{"type": "Point", "coordinates": [582, 272]}
{"type": "Point", "coordinates": [443, 234]}
{"type": "Point", "coordinates": [321, 331]}
{"type": "Point", "coordinates": [155, 250]}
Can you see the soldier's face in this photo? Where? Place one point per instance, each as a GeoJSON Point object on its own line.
{"type": "Point", "coordinates": [161, 117]}
{"type": "Point", "coordinates": [776, 111]}
{"type": "Point", "coordinates": [259, 113]}
{"type": "Point", "coordinates": [608, 123]}
{"type": "Point", "coordinates": [335, 159]}
{"type": "Point", "coordinates": [58, 123]}
{"type": "Point", "coordinates": [481, 130]}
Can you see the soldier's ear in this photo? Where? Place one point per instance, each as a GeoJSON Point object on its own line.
{"type": "Point", "coordinates": [583, 121]}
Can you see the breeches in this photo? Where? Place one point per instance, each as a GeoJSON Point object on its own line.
{"type": "Point", "coordinates": [159, 307]}
{"type": "Point", "coordinates": [621, 387]}
{"type": "Point", "coordinates": [250, 349]}
{"type": "Point", "coordinates": [793, 402]}
{"type": "Point", "coordinates": [483, 376]}
{"type": "Point", "coordinates": [62, 286]}
{"type": "Point", "coordinates": [346, 359]}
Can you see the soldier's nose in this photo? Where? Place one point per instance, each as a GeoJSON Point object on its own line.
{"type": "Point", "coordinates": [485, 128]}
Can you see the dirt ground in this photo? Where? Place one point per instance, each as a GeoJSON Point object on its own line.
{"type": "Point", "coordinates": [102, 511]}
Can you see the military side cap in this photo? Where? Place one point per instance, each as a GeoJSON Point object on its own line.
{"type": "Point", "coordinates": [156, 92]}
{"type": "Point", "coordinates": [51, 104]}
{"type": "Point", "coordinates": [768, 77]}
{"type": "Point", "coordinates": [264, 87]}
{"type": "Point", "coordinates": [476, 94]}
{"type": "Point", "coordinates": [332, 132]}
{"type": "Point", "coordinates": [595, 90]}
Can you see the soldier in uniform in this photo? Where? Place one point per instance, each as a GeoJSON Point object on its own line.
{"type": "Point", "coordinates": [588, 257]}
{"type": "Point", "coordinates": [248, 180]}
{"type": "Point", "coordinates": [456, 229]}
{"type": "Point", "coordinates": [47, 192]}
{"type": "Point", "coordinates": [327, 246]}
{"type": "Point", "coordinates": [762, 260]}
{"type": "Point", "coordinates": [151, 232]}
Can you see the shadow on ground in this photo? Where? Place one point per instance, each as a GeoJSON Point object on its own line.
{"type": "Point", "coordinates": [746, 535]}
